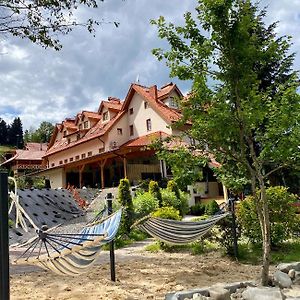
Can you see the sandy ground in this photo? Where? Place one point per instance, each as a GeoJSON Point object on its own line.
{"type": "Point", "coordinates": [140, 275]}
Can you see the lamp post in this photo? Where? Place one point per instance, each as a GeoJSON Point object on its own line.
{"type": "Point", "coordinates": [109, 198]}
{"type": "Point", "coordinates": [4, 253]}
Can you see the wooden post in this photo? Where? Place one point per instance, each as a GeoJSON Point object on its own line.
{"type": "Point", "coordinates": [125, 166]}
{"type": "Point", "coordinates": [81, 168]}
{"type": "Point", "coordinates": [102, 164]}
{"type": "Point", "coordinates": [4, 252]}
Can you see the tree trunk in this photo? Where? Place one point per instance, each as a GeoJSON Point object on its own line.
{"type": "Point", "coordinates": [266, 234]}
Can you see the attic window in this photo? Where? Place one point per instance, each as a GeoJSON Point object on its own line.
{"type": "Point", "coordinates": [173, 103]}
{"type": "Point", "coordinates": [80, 126]}
{"type": "Point", "coordinates": [68, 140]}
{"type": "Point", "coordinates": [90, 153]}
{"type": "Point", "coordinates": [131, 130]}
{"type": "Point", "coordinates": [78, 136]}
{"type": "Point", "coordinates": [119, 131]}
{"type": "Point", "coordinates": [131, 111]}
{"type": "Point", "coordinates": [105, 116]}
{"type": "Point", "coordinates": [65, 132]}
{"type": "Point", "coordinates": [86, 124]}
{"type": "Point", "coordinates": [148, 124]}
{"type": "Point", "coordinates": [77, 157]}
{"type": "Point", "coordinates": [146, 104]}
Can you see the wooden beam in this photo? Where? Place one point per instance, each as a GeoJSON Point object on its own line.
{"type": "Point", "coordinates": [102, 164]}
{"type": "Point", "coordinates": [81, 168]}
{"type": "Point", "coordinates": [125, 166]}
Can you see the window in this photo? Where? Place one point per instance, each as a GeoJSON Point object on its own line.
{"type": "Point", "coordinates": [119, 131]}
{"type": "Point", "coordinates": [173, 103]}
{"type": "Point", "coordinates": [65, 161]}
{"type": "Point", "coordinates": [90, 153]}
{"type": "Point", "coordinates": [131, 111]}
{"type": "Point", "coordinates": [105, 116]}
{"type": "Point", "coordinates": [71, 159]}
{"type": "Point", "coordinates": [65, 132]}
{"type": "Point", "coordinates": [101, 150]}
{"type": "Point", "coordinates": [60, 162]}
{"type": "Point", "coordinates": [86, 124]}
{"type": "Point", "coordinates": [78, 136]}
{"type": "Point", "coordinates": [146, 104]}
{"type": "Point", "coordinates": [53, 164]}
{"type": "Point", "coordinates": [83, 155]}
{"type": "Point", "coordinates": [131, 130]}
{"type": "Point", "coordinates": [148, 124]}
{"type": "Point", "coordinates": [80, 126]}
{"type": "Point", "coordinates": [68, 140]}
{"type": "Point", "coordinates": [77, 157]}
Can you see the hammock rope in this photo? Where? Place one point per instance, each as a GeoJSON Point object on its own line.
{"type": "Point", "coordinates": [70, 254]}
{"type": "Point", "coordinates": [178, 232]}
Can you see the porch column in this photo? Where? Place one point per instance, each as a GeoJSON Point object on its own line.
{"type": "Point", "coordinates": [125, 166]}
{"type": "Point", "coordinates": [81, 168]}
{"type": "Point", "coordinates": [225, 192]}
{"type": "Point", "coordinates": [102, 164]}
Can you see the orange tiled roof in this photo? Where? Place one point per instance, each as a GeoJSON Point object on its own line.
{"type": "Point", "coordinates": [92, 115]}
{"type": "Point", "coordinates": [111, 104]}
{"type": "Point", "coordinates": [146, 140]}
{"type": "Point", "coordinates": [36, 146]}
{"type": "Point", "coordinates": [168, 113]}
{"type": "Point", "coordinates": [96, 131]}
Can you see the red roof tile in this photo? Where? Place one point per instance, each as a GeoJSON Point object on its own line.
{"type": "Point", "coordinates": [36, 146]}
{"type": "Point", "coordinates": [146, 140]}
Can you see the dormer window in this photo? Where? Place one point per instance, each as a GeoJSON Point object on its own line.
{"type": "Point", "coordinates": [131, 111]}
{"type": "Point", "coordinates": [148, 124]}
{"type": "Point", "coordinates": [86, 124]}
{"type": "Point", "coordinates": [146, 104]}
{"type": "Point", "coordinates": [173, 103]}
{"type": "Point", "coordinates": [65, 132]}
{"type": "Point", "coordinates": [78, 136]}
{"type": "Point", "coordinates": [105, 116]}
{"type": "Point", "coordinates": [80, 126]}
{"type": "Point", "coordinates": [68, 140]}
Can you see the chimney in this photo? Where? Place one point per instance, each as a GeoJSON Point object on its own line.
{"type": "Point", "coordinates": [153, 92]}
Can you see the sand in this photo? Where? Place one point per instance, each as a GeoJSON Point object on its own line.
{"type": "Point", "coordinates": [140, 275]}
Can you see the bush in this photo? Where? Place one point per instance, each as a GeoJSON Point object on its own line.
{"type": "Point", "coordinates": [169, 199]}
{"type": "Point", "coordinates": [155, 191]}
{"type": "Point", "coordinates": [167, 212]}
{"type": "Point", "coordinates": [144, 204]}
{"type": "Point", "coordinates": [173, 187]}
{"type": "Point", "coordinates": [125, 199]}
{"type": "Point", "coordinates": [197, 209]}
{"type": "Point", "coordinates": [283, 219]}
{"type": "Point", "coordinates": [212, 208]}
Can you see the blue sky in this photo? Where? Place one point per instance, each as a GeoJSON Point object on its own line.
{"type": "Point", "coordinates": [45, 85]}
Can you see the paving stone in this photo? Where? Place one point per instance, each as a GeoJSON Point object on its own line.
{"type": "Point", "coordinates": [219, 293]}
{"type": "Point", "coordinates": [285, 267]}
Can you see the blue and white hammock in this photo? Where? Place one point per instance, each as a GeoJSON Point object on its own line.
{"type": "Point", "coordinates": [178, 232]}
{"type": "Point", "coordinates": [70, 254]}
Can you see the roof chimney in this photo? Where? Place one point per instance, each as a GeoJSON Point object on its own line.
{"type": "Point", "coordinates": [153, 92]}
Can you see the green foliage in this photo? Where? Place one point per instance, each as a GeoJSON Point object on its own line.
{"type": "Point", "coordinates": [125, 199]}
{"type": "Point", "coordinates": [167, 212]}
{"type": "Point", "coordinates": [283, 219]}
{"type": "Point", "coordinates": [41, 21]}
{"type": "Point", "coordinates": [173, 187]}
{"type": "Point", "coordinates": [144, 204]}
{"type": "Point", "coordinates": [40, 135]}
{"type": "Point", "coordinates": [212, 208]}
{"type": "Point", "coordinates": [197, 209]}
{"type": "Point", "coordinates": [169, 199]}
{"type": "Point", "coordinates": [155, 191]}
{"type": "Point", "coordinates": [27, 182]}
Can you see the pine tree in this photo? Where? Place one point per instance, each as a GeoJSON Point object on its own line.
{"type": "Point", "coordinates": [15, 134]}
{"type": "Point", "coordinates": [3, 132]}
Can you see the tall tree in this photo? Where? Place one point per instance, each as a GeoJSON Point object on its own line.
{"type": "Point", "coordinates": [45, 131]}
{"type": "Point", "coordinates": [15, 134]}
{"type": "Point", "coordinates": [3, 132]}
{"type": "Point", "coordinates": [41, 21]}
{"type": "Point", "coordinates": [244, 106]}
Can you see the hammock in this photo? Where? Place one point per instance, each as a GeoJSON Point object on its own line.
{"type": "Point", "coordinates": [70, 254]}
{"type": "Point", "coordinates": [178, 232]}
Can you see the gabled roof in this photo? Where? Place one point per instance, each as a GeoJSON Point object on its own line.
{"type": "Point", "coordinates": [96, 131]}
{"type": "Point", "coordinates": [36, 146]}
{"type": "Point", "coordinates": [112, 103]}
{"type": "Point", "coordinates": [152, 95]}
{"type": "Point", "coordinates": [89, 114]}
{"type": "Point", "coordinates": [26, 155]}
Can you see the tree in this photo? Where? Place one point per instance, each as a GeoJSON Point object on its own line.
{"type": "Point", "coordinates": [155, 191]}
{"type": "Point", "coordinates": [3, 132]}
{"type": "Point", "coordinates": [244, 105]}
{"type": "Point", "coordinates": [15, 134]}
{"type": "Point", "coordinates": [41, 21]}
{"type": "Point", "coordinates": [45, 131]}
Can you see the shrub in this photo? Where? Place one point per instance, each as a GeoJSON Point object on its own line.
{"type": "Point", "coordinates": [167, 212]}
{"type": "Point", "coordinates": [169, 199]}
{"type": "Point", "coordinates": [197, 209]}
{"type": "Point", "coordinates": [212, 208]}
{"type": "Point", "coordinates": [173, 187]}
{"type": "Point", "coordinates": [283, 219]}
{"type": "Point", "coordinates": [144, 204]}
{"type": "Point", "coordinates": [155, 191]}
{"type": "Point", "coordinates": [125, 199]}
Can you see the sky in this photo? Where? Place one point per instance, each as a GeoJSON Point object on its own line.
{"type": "Point", "coordinates": [40, 84]}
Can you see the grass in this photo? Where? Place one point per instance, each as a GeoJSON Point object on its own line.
{"type": "Point", "coordinates": [287, 252]}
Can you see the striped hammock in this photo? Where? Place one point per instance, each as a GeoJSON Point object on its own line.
{"type": "Point", "coordinates": [70, 254]}
{"type": "Point", "coordinates": [178, 232]}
